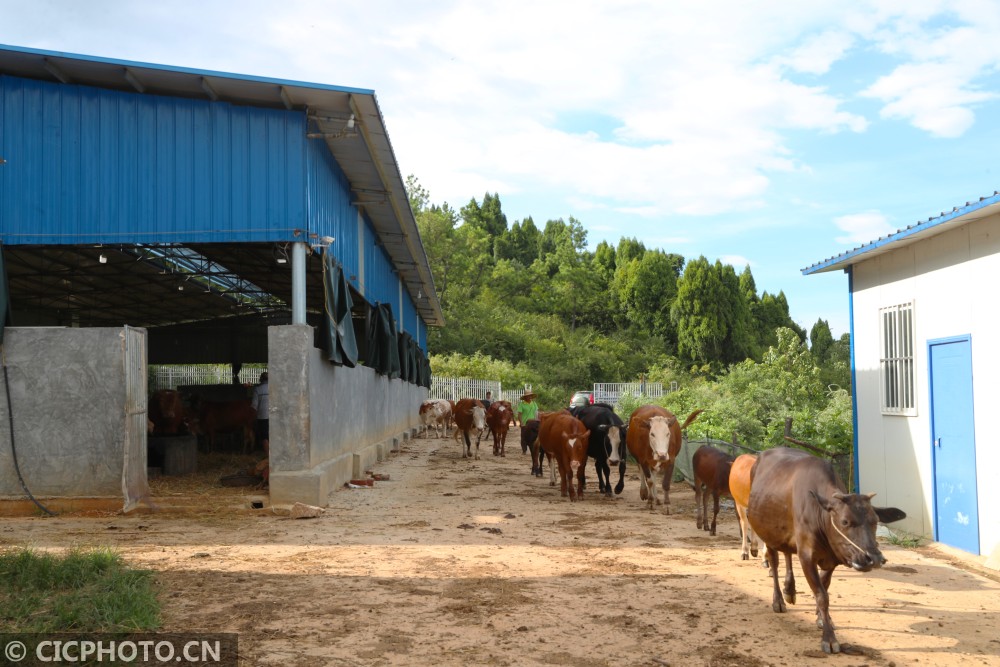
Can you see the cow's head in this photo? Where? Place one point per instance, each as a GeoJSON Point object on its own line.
{"type": "Point", "coordinates": [478, 418]}
{"type": "Point", "coordinates": [614, 441]}
{"type": "Point", "coordinates": [660, 437]}
{"type": "Point", "coordinates": [576, 445]}
{"type": "Point", "coordinates": [849, 526]}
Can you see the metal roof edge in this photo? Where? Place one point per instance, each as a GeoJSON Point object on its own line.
{"type": "Point", "coordinates": [954, 216]}
{"type": "Point", "coordinates": [185, 70]}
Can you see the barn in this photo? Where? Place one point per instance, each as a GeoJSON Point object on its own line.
{"type": "Point", "coordinates": [923, 355]}
{"type": "Point", "coordinates": [152, 214]}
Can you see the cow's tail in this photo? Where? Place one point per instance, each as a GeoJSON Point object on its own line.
{"type": "Point", "coordinates": [691, 418]}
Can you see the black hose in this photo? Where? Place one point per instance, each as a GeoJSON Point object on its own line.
{"type": "Point", "coordinates": [13, 450]}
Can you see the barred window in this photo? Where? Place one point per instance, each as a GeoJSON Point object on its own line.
{"type": "Point", "coordinates": [896, 329]}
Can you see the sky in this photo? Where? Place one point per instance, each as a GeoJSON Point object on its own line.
{"type": "Point", "coordinates": [774, 133]}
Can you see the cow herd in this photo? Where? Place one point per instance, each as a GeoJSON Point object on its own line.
{"type": "Point", "coordinates": [791, 501]}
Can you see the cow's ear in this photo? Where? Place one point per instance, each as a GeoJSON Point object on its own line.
{"type": "Point", "coordinates": [823, 502]}
{"type": "Point", "coordinates": [644, 423]}
{"type": "Point", "coordinates": [889, 514]}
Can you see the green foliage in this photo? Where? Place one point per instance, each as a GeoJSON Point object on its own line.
{"type": "Point", "coordinates": [85, 591]}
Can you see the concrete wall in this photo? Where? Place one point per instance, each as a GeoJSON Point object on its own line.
{"type": "Point", "coordinates": [949, 278]}
{"type": "Point", "coordinates": [68, 397]}
{"type": "Point", "coordinates": [329, 423]}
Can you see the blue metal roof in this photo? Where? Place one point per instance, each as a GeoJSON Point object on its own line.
{"type": "Point", "coordinates": [960, 215]}
{"type": "Point", "coordinates": [347, 120]}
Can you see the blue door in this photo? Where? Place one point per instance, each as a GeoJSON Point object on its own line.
{"type": "Point", "coordinates": [956, 502]}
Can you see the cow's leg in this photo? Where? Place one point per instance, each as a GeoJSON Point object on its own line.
{"type": "Point", "coordinates": [563, 475]}
{"type": "Point", "coordinates": [668, 476]}
{"type": "Point", "coordinates": [581, 478]}
{"type": "Point", "coordinates": [789, 580]}
{"type": "Point", "coordinates": [715, 510]}
{"type": "Point", "coordinates": [777, 603]}
{"type": "Point", "coordinates": [741, 514]}
{"type": "Point", "coordinates": [700, 506]}
{"type": "Point", "coordinates": [811, 572]}
{"type": "Point", "coordinates": [467, 450]}
{"type": "Point", "coordinates": [479, 437]}
{"type": "Point", "coordinates": [621, 477]}
{"type": "Point", "coordinates": [536, 458]}
{"type": "Point", "coordinates": [552, 471]}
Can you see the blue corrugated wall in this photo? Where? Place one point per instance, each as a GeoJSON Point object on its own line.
{"type": "Point", "coordinates": [330, 210]}
{"type": "Point", "coordinates": [88, 165]}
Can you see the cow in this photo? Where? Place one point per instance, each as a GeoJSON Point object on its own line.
{"type": "Point", "coordinates": [798, 505]}
{"type": "Point", "coordinates": [739, 489]}
{"type": "Point", "coordinates": [654, 439]}
{"type": "Point", "coordinates": [711, 475]}
{"type": "Point", "coordinates": [537, 450]}
{"type": "Point", "coordinates": [166, 411]}
{"type": "Point", "coordinates": [565, 438]}
{"type": "Point", "coordinates": [436, 412]}
{"type": "Point", "coordinates": [498, 418]}
{"type": "Point", "coordinates": [215, 417]}
{"type": "Point", "coordinates": [469, 414]}
{"type": "Point", "coordinates": [607, 443]}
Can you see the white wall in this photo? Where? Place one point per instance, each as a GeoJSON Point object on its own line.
{"type": "Point", "coordinates": [950, 279]}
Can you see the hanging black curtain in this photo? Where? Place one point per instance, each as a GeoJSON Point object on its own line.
{"type": "Point", "coordinates": [4, 297]}
{"type": "Point", "coordinates": [407, 369]}
{"type": "Point", "coordinates": [342, 348]}
{"type": "Point", "coordinates": [383, 350]}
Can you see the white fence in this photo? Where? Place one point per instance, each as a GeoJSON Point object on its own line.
{"type": "Point", "coordinates": [170, 377]}
{"type": "Point", "coordinates": [455, 388]}
{"type": "Point", "coordinates": [611, 392]}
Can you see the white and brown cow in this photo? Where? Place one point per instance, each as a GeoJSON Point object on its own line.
{"type": "Point", "coordinates": [654, 439]}
{"type": "Point", "coordinates": [470, 415]}
{"type": "Point", "coordinates": [436, 413]}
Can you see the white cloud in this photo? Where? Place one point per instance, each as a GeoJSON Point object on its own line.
{"type": "Point", "coordinates": [738, 262]}
{"type": "Point", "coordinates": [862, 228]}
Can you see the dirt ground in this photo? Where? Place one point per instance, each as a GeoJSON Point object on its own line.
{"type": "Point", "coordinates": [458, 562]}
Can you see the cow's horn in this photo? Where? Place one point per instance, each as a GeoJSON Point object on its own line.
{"type": "Point", "coordinates": [870, 495]}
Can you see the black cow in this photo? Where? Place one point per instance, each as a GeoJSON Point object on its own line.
{"type": "Point", "coordinates": [798, 505]}
{"type": "Point", "coordinates": [607, 442]}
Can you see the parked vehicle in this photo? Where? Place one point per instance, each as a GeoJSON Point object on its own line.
{"type": "Point", "coordinates": [581, 398]}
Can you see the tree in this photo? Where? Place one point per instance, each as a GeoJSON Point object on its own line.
{"type": "Point", "coordinates": [520, 243]}
{"type": "Point", "coordinates": [821, 340]}
{"type": "Point", "coordinates": [646, 288]}
{"type": "Point", "coordinates": [629, 249]}
{"type": "Point", "coordinates": [697, 313]}
{"type": "Point", "coordinates": [489, 217]}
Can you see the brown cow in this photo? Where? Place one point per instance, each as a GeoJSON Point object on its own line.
{"type": "Point", "coordinates": [739, 489]}
{"type": "Point", "coordinates": [166, 411]}
{"type": "Point", "coordinates": [470, 414]}
{"type": "Point", "coordinates": [799, 505]}
{"type": "Point", "coordinates": [498, 418]}
{"type": "Point", "coordinates": [654, 439]}
{"type": "Point", "coordinates": [565, 438]}
{"type": "Point", "coordinates": [537, 451]}
{"type": "Point", "coordinates": [711, 475]}
{"type": "Point", "coordinates": [214, 417]}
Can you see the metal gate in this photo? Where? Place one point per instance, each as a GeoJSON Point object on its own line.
{"type": "Point", "coordinates": [135, 486]}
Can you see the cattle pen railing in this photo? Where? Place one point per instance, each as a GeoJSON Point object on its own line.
{"type": "Point", "coordinates": [172, 376]}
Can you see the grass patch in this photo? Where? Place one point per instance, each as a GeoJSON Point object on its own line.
{"type": "Point", "coordinates": [89, 590]}
{"type": "Point", "coordinates": [903, 540]}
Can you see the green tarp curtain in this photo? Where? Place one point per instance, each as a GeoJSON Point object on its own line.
{"type": "Point", "coordinates": [342, 348]}
{"type": "Point", "coordinates": [383, 350]}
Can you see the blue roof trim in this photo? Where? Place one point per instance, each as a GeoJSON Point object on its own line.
{"type": "Point", "coordinates": [847, 258]}
{"type": "Point", "coordinates": [186, 70]}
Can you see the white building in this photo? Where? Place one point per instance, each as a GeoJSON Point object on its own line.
{"type": "Point", "coordinates": [925, 358]}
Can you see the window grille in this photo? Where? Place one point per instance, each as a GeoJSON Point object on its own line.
{"type": "Point", "coordinates": [896, 364]}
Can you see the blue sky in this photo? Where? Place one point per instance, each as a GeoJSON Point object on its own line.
{"type": "Point", "coordinates": [773, 133]}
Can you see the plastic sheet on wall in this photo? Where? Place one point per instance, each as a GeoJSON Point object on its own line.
{"type": "Point", "coordinates": [383, 350]}
{"type": "Point", "coordinates": [341, 344]}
